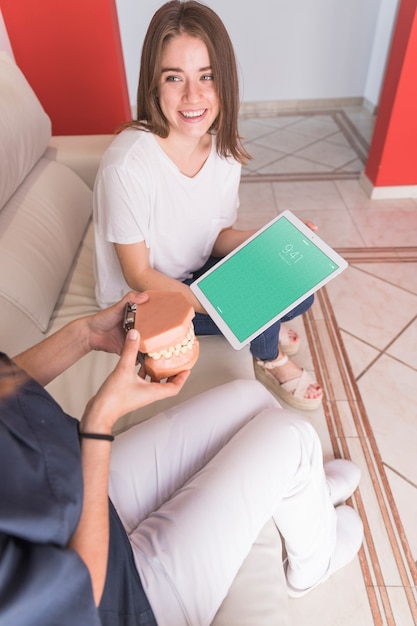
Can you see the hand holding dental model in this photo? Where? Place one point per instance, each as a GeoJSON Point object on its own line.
{"type": "Point", "coordinates": [167, 340]}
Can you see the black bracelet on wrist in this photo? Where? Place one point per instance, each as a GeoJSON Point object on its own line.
{"type": "Point", "coordinates": [96, 436]}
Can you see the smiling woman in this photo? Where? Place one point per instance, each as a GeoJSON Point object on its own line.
{"type": "Point", "coordinates": [167, 191]}
{"type": "Point", "coordinates": [201, 23]}
{"type": "Point", "coordinates": [189, 101]}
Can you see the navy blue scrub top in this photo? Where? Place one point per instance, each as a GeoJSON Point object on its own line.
{"type": "Point", "coordinates": [42, 582]}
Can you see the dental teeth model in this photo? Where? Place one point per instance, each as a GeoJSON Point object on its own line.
{"type": "Point", "coordinates": [167, 340]}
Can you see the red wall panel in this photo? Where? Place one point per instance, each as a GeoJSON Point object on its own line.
{"type": "Point", "coordinates": [392, 159]}
{"type": "Point", "coordinates": [70, 52]}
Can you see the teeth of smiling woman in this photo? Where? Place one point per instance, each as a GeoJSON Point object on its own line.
{"type": "Point", "coordinates": [193, 113]}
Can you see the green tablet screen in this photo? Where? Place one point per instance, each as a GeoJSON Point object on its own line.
{"type": "Point", "coordinates": [265, 278]}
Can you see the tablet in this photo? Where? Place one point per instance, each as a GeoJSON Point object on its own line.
{"type": "Point", "coordinates": [266, 277]}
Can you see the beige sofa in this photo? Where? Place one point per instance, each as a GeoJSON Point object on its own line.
{"type": "Point", "coordinates": [46, 280]}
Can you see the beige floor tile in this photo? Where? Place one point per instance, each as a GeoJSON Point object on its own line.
{"type": "Point", "coordinates": [317, 126]}
{"type": "Point", "coordinates": [360, 354]}
{"type": "Point", "coordinates": [257, 205]}
{"type": "Point", "coordinates": [251, 129]}
{"type": "Point", "coordinates": [405, 347]}
{"type": "Point", "coordinates": [287, 140]}
{"type": "Point", "coordinates": [370, 309]}
{"type": "Point", "coordinates": [388, 390]}
{"type": "Point", "coordinates": [338, 138]}
{"type": "Point", "coordinates": [341, 600]}
{"type": "Point", "coordinates": [280, 121]}
{"type": "Point", "coordinates": [291, 164]}
{"type": "Point", "coordinates": [402, 275]}
{"type": "Point", "coordinates": [391, 226]}
{"type": "Point", "coordinates": [328, 153]}
{"type": "Point", "coordinates": [261, 156]}
{"type": "Point", "coordinates": [353, 194]}
{"type": "Point", "coordinates": [337, 228]}
{"type": "Point", "coordinates": [308, 196]}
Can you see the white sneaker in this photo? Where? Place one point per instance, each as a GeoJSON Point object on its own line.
{"type": "Point", "coordinates": [349, 537]}
{"type": "Point", "coordinates": [342, 477]}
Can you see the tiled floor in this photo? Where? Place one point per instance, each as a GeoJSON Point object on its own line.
{"type": "Point", "coordinates": [360, 338]}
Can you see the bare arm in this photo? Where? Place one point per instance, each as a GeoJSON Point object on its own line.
{"type": "Point", "coordinates": [139, 275]}
{"type": "Point", "coordinates": [53, 355]}
{"type": "Point", "coordinates": [229, 239]}
{"type": "Point", "coordinates": [91, 538]}
{"type": "Point", "coordinates": [101, 331]}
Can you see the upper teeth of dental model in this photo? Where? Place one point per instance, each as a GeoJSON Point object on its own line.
{"type": "Point", "coordinates": [179, 348]}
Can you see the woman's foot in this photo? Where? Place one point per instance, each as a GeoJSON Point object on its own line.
{"type": "Point", "coordinates": [286, 370]}
{"type": "Point", "coordinates": [342, 478]}
{"type": "Point", "coordinates": [289, 382]}
{"type": "Point", "coordinates": [349, 537]}
{"type": "Point", "coordinates": [289, 341]}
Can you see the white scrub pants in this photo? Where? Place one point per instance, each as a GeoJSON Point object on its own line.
{"type": "Point", "coordinates": [195, 485]}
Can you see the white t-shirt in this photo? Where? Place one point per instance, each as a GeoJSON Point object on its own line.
{"type": "Point", "coordinates": [141, 195]}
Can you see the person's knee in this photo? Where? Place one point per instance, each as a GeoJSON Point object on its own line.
{"type": "Point", "coordinates": [254, 390]}
{"type": "Point", "coordinates": [286, 421]}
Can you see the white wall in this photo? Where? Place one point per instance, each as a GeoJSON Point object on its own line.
{"type": "Point", "coordinates": [288, 49]}
{"type": "Point", "coordinates": [381, 46]}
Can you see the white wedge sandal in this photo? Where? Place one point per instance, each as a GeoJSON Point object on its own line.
{"type": "Point", "coordinates": [292, 391]}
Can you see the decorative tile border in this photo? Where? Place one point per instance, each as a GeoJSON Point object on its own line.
{"type": "Point", "coordinates": [380, 255]}
{"type": "Point", "coordinates": [356, 141]}
{"type": "Point", "coordinates": [385, 555]}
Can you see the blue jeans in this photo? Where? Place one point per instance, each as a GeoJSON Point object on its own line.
{"type": "Point", "coordinates": [265, 346]}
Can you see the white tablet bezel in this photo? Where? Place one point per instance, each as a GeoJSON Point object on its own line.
{"type": "Point", "coordinates": [237, 344]}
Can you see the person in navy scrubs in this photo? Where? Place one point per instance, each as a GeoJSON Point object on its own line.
{"type": "Point", "coordinates": [152, 527]}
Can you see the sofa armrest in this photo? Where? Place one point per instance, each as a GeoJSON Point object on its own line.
{"type": "Point", "coordinates": [82, 153]}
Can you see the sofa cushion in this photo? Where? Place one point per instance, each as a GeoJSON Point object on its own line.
{"type": "Point", "coordinates": [25, 128]}
{"type": "Point", "coordinates": [41, 227]}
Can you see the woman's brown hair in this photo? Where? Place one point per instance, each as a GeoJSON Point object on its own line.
{"type": "Point", "coordinates": [193, 18]}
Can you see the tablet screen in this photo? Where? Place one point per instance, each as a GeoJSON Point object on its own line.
{"type": "Point", "coordinates": [267, 277]}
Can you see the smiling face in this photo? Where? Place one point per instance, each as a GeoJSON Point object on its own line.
{"type": "Point", "coordinates": [187, 92]}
